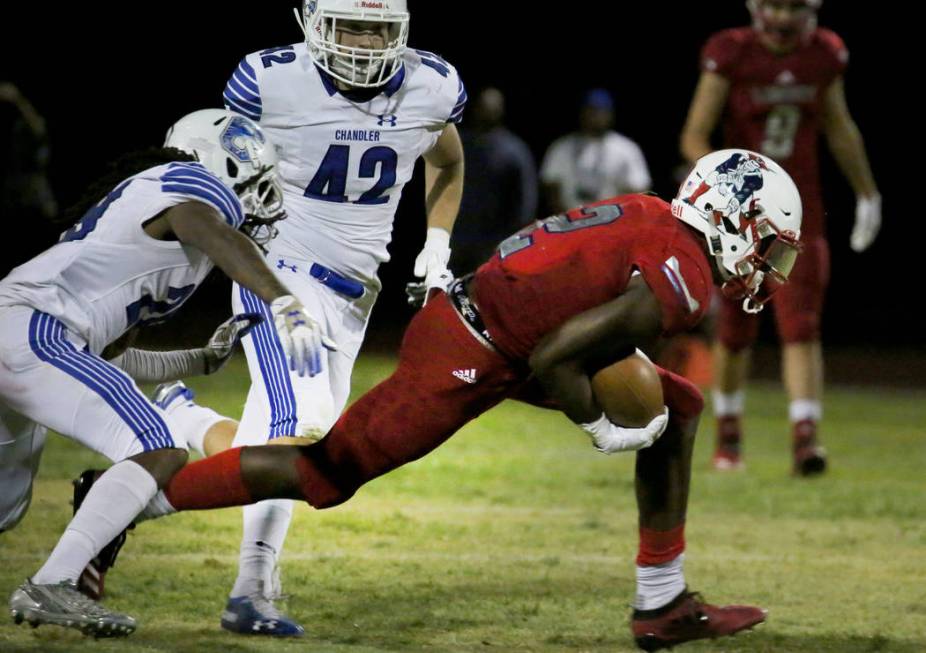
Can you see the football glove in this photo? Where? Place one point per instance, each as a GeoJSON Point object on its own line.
{"type": "Point", "coordinates": [610, 438]}
{"type": "Point", "coordinates": [867, 222]}
{"type": "Point", "coordinates": [431, 264]}
{"type": "Point", "coordinates": [222, 343]}
{"type": "Point", "coordinates": [300, 335]}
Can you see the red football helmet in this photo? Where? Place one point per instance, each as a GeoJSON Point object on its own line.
{"type": "Point", "coordinates": [784, 24]}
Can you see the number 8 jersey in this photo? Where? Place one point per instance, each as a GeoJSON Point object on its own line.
{"type": "Point", "coordinates": [775, 103]}
{"type": "Point", "coordinates": [344, 156]}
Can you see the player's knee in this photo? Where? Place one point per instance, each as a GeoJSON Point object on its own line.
{"type": "Point", "coordinates": [799, 329]}
{"type": "Point", "coordinates": [322, 482]}
{"type": "Point", "coordinates": [736, 340]}
{"type": "Point", "coordinates": [682, 397]}
{"type": "Point", "coordinates": [162, 464]}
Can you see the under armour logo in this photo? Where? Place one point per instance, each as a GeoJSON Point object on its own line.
{"type": "Point", "coordinates": [466, 375]}
{"type": "Point", "coordinates": [261, 624]}
{"type": "Point", "coordinates": [283, 264]}
{"type": "Point", "coordinates": [387, 118]}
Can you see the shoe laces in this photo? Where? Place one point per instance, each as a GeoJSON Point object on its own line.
{"type": "Point", "coordinates": [74, 600]}
{"type": "Point", "coordinates": [693, 613]}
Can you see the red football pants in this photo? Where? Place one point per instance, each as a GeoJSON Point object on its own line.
{"type": "Point", "coordinates": [798, 306]}
{"type": "Point", "coordinates": [445, 378]}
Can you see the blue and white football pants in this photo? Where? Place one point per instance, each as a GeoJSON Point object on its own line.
{"type": "Point", "coordinates": [280, 402]}
{"type": "Point", "coordinates": [48, 378]}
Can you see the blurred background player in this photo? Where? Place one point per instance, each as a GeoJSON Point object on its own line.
{"type": "Point", "coordinates": [25, 191]}
{"type": "Point", "coordinates": [500, 195]}
{"type": "Point", "coordinates": [594, 161]}
{"type": "Point", "coordinates": [350, 110]}
{"type": "Point", "coordinates": [775, 86]}
{"type": "Point", "coordinates": [573, 294]}
{"type": "Point", "coordinates": [145, 237]}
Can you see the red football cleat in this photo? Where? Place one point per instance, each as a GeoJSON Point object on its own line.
{"type": "Point", "coordinates": [727, 456]}
{"type": "Point", "coordinates": [687, 618]}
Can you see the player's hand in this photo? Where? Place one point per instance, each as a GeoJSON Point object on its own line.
{"type": "Point", "coordinates": [431, 264]}
{"type": "Point", "coordinates": [301, 336]}
{"type": "Point", "coordinates": [867, 222]}
{"type": "Point", "coordinates": [610, 438]}
{"type": "Point", "coordinates": [222, 343]}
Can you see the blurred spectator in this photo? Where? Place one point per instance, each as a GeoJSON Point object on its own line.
{"type": "Point", "coordinates": [594, 162]}
{"type": "Point", "coordinates": [24, 189]}
{"type": "Point", "coordinates": [500, 194]}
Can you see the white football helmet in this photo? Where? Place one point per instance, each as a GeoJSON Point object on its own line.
{"type": "Point", "coordinates": [749, 211]}
{"type": "Point", "coordinates": [234, 148]}
{"type": "Point", "coordinates": [357, 67]}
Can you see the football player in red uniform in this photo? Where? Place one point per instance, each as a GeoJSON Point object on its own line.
{"type": "Point", "coordinates": [557, 301]}
{"type": "Point", "coordinates": [776, 86]}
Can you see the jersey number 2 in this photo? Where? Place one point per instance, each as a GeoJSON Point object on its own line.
{"type": "Point", "coordinates": [330, 182]}
{"type": "Point", "coordinates": [589, 216]}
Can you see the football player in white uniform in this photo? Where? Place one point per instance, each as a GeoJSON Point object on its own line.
{"type": "Point", "coordinates": [147, 236]}
{"type": "Point", "coordinates": [350, 110]}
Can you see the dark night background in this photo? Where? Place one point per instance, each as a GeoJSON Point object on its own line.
{"type": "Point", "coordinates": [111, 78]}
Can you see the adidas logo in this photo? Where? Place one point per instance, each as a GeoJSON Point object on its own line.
{"type": "Point", "coordinates": [466, 375]}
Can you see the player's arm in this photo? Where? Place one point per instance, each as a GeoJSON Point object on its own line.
{"type": "Point", "coordinates": [845, 142]}
{"type": "Point", "coordinates": [590, 341]}
{"type": "Point", "coordinates": [443, 181]}
{"type": "Point", "coordinates": [161, 366]}
{"type": "Point", "coordinates": [199, 225]}
{"type": "Point", "coordinates": [707, 105]}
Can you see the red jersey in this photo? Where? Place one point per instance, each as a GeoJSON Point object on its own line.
{"type": "Point", "coordinates": [775, 103]}
{"type": "Point", "coordinates": [541, 277]}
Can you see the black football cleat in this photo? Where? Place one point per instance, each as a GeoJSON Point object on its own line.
{"type": "Point", "coordinates": [92, 579]}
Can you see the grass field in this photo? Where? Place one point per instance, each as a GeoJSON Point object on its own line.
{"type": "Point", "coordinates": [517, 536]}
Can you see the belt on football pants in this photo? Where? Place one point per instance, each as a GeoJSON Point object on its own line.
{"type": "Point", "coordinates": [467, 309]}
{"type": "Point", "coordinates": [337, 282]}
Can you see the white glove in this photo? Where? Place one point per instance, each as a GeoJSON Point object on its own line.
{"type": "Point", "coordinates": [222, 343]}
{"type": "Point", "coordinates": [432, 265]}
{"type": "Point", "coordinates": [301, 336]}
{"type": "Point", "coordinates": [610, 438]}
{"type": "Point", "coordinates": [867, 222]}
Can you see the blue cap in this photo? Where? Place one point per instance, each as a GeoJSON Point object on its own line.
{"type": "Point", "coordinates": [599, 98]}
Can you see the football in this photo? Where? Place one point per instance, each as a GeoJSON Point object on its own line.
{"type": "Point", "coordinates": [629, 391]}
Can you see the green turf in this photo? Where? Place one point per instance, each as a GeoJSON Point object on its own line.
{"type": "Point", "coordinates": [517, 536]}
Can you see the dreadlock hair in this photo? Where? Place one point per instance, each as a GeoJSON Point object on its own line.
{"type": "Point", "coordinates": [120, 170]}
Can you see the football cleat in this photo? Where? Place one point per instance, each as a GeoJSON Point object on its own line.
{"type": "Point", "coordinates": [727, 456]}
{"type": "Point", "coordinates": [92, 579]}
{"type": "Point", "coordinates": [256, 614]}
{"type": "Point", "coordinates": [809, 456]}
{"type": "Point", "coordinates": [686, 618]}
{"type": "Point", "coordinates": [62, 605]}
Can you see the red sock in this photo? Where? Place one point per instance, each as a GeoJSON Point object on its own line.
{"type": "Point", "coordinates": [658, 547]}
{"type": "Point", "coordinates": [213, 482]}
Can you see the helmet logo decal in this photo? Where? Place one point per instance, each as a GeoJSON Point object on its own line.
{"type": "Point", "coordinates": [235, 138]}
{"type": "Point", "coordinates": [735, 180]}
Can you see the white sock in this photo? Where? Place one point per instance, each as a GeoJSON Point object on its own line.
{"type": "Point", "coordinates": [191, 422]}
{"type": "Point", "coordinates": [657, 585]}
{"type": "Point", "coordinates": [159, 506]}
{"type": "Point", "coordinates": [801, 409]}
{"type": "Point", "coordinates": [110, 506]}
{"type": "Point", "coordinates": [265, 526]}
{"type": "Point", "coordinates": [728, 404]}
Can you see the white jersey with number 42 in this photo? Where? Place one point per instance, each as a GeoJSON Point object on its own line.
{"type": "Point", "coordinates": [344, 157]}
